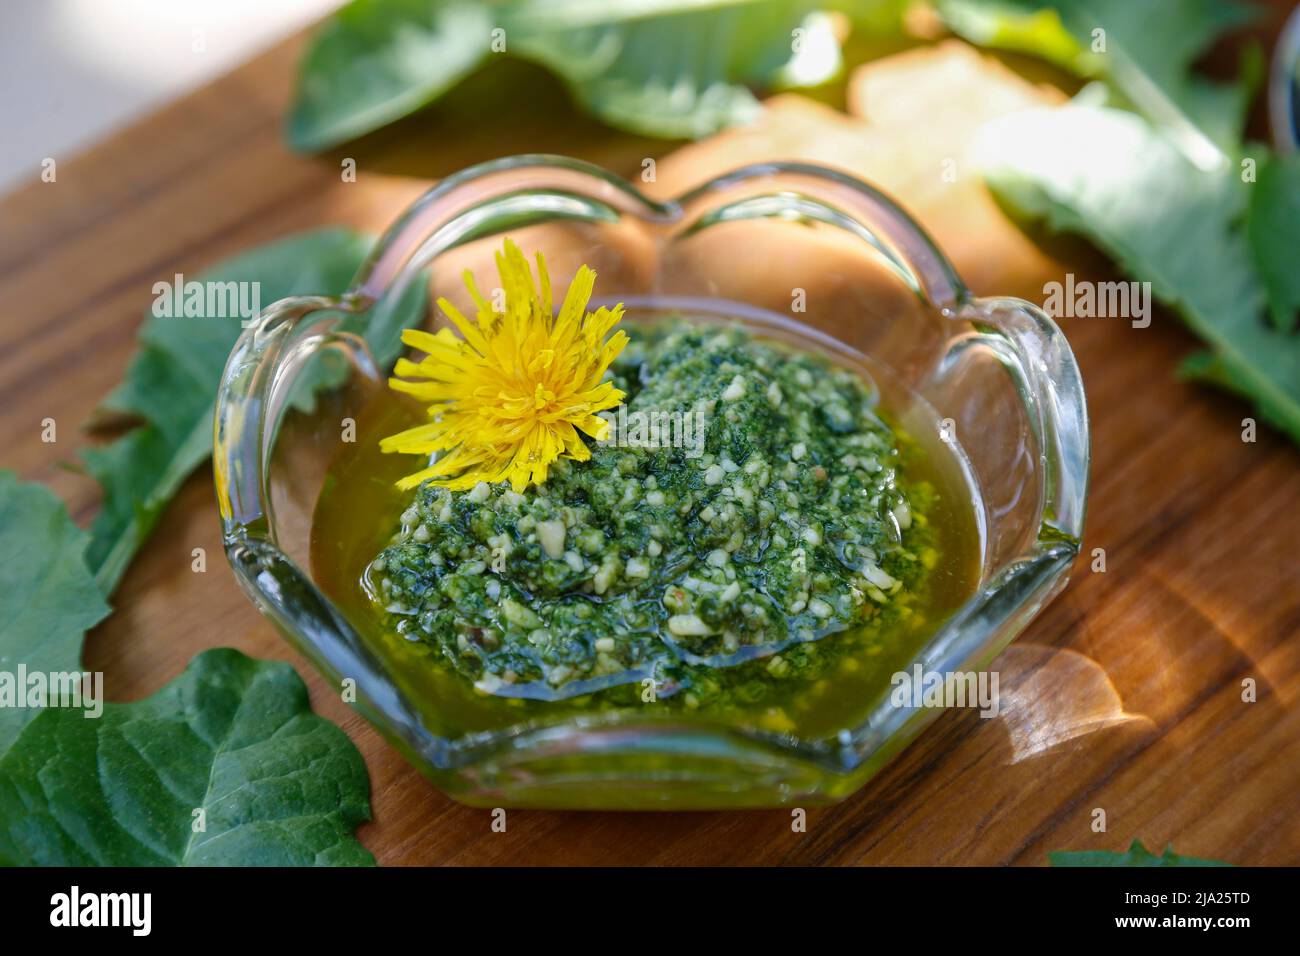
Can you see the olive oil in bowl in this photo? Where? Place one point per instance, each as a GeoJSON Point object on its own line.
{"type": "Point", "coordinates": [786, 541]}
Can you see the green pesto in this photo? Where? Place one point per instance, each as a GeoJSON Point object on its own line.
{"type": "Point", "coordinates": [761, 510]}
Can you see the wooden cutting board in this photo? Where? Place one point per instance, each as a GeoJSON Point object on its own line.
{"type": "Point", "coordinates": [1126, 693]}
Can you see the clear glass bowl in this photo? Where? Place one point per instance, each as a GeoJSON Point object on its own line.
{"type": "Point", "coordinates": [996, 369]}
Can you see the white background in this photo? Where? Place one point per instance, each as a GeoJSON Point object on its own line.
{"type": "Point", "coordinates": [72, 71]}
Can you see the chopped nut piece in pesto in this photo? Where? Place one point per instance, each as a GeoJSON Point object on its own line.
{"type": "Point", "coordinates": [791, 523]}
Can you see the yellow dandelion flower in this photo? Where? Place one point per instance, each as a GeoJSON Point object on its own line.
{"type": "Point", "coordinates": [518, 390]}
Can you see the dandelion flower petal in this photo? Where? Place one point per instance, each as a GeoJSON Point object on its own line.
{"type": "Point", "coordinates": [518, 389]}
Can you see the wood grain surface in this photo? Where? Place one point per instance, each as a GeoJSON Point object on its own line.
{"type": "Point", "coordinates": [1126, 694]}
